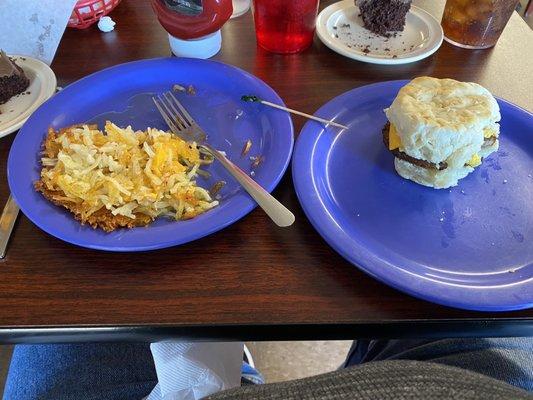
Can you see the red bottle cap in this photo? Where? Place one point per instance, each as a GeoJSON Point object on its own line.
{"type": "Point", "coordinates": [192, 19]}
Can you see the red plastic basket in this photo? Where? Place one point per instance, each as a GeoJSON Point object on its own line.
{"type": "Point", "coordinates": [87, 12]}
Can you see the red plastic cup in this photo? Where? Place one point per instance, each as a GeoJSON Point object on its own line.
{"type": "Point", "coordinates": [285, 26]}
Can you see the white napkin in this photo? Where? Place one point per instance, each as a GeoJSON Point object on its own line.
{"type": "Point", "coordinates": [38, 28]}
{"type": "Point", "coordinates": [191, 371]}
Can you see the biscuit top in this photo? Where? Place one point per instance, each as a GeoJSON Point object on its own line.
{"type": "Point", "coordinates": [437, 117]}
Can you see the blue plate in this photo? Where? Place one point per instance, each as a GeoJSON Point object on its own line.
{"type": "Point", "coordinates": [122, 94]}
{"type": "Point", "coordinates": [468, 247]}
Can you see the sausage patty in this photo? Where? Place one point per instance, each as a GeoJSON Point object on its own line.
{"type": "Point", "coordinates": [403, 156]}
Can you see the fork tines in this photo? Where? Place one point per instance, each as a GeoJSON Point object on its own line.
{"type": "Point", "coordinates": [176, 116]}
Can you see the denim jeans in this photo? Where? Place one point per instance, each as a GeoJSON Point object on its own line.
{"type": "Point", "coordinates": [92, 371]}
{"type": "Point", "coordinates": [125, 371]}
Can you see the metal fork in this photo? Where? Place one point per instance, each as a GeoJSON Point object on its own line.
{"type": "Point", "coordinates": [182, 124]}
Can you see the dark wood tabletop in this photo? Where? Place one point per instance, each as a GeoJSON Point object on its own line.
{"type": "Point", "coordinates": [252, 280]}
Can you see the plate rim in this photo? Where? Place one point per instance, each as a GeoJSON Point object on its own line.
{"type": "Point", "coordinates": [322, 33]}
{"type": "Point", "coordinates": [44, 95]}
{"type": "Point", "coordinates": [317, 214]}
{"type": "Point", "coordinates": [249, 205]}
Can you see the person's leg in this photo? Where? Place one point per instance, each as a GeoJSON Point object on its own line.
{"type": "Point", "coordinates": [116, 371]}
{"type": "Point", "coordinates": [507, 359]}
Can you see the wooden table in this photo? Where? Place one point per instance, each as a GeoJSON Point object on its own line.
{"type": "Point", "coordinates": [252, 280]}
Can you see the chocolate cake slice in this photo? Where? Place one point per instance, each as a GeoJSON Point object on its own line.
{"type": "Point", "coordinates": [383, 16]}
{"type": "Point", "coordinates": [12, 78]}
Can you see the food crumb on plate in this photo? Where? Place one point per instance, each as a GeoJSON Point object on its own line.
{"type": "Point", "coordinates": [246, 148]}
{"type": "Point", "coordinates": [256, 160]}
{"type": "Point", "coordinates": [191, 90]}
{"type": "Point", "coordinates": [216, 187]}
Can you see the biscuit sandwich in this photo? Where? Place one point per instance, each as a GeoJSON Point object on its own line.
{"type": "Point", "coordinates": [440, 130]}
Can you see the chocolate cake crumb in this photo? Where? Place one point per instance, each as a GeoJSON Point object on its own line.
{"type": "Point", "coordinates": [387, 49]}
{"type": "Point", "coordinates": [394, 56]}
{"type": "Point", "coordinates": [335, 28]}
{"type": "Point", "coordinates": [345, 25]}
{"type": "Point", "coordinates": [337, 36]}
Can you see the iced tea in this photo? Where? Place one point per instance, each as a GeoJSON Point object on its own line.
{"type": "Point", "coordinates": [476, 24]}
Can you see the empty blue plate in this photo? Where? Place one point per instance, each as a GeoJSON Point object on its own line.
{"type": "Point", "coordinates": [468, 247]}
{"type": "Point", "coordinates": [122, 94]}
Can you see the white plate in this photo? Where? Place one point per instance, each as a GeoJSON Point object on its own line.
{"type": "Point", "coordinates": [340, 27]}
{"type": "Point", "coordinates": [16, 110]}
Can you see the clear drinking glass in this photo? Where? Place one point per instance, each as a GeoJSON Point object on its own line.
{"type": "Point", "coordinates": [476, 24]}
{"type": "Point", "coordinates": [285, 26]}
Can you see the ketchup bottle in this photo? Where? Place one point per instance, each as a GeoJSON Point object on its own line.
{"type": "Point", "coordinates": [193, 26]}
